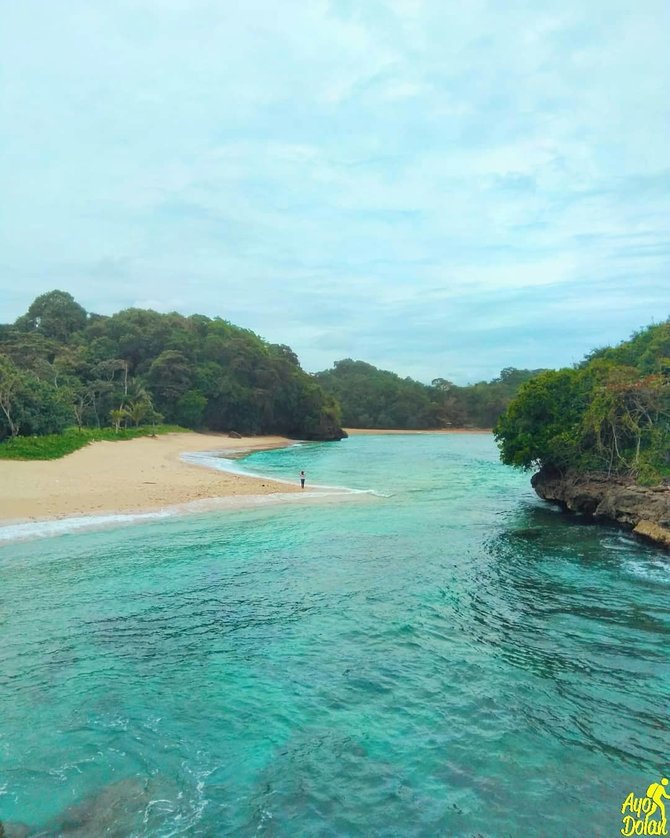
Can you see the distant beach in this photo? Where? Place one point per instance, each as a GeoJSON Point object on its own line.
{"type": "Point", "coordinates": [359, 431]}
{"type": "Point", "coordinates": [129, 476]}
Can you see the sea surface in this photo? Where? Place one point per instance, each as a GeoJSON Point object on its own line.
{"type": "Point", "coordinates": [444, 654]}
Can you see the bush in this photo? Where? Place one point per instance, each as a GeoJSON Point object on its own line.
{"type": "Point", "coordinates": [54, 446]}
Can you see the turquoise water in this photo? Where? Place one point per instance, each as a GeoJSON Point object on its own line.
{"type": "Point", "coordinates": [447, 657]}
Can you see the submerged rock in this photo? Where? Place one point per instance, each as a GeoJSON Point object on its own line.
{"type": "Point", "coordinates": [14, 829]}
{"type": "Point", "coordinates": [124, 807]}
{"type": "Point", "coordinates": [645, 510]}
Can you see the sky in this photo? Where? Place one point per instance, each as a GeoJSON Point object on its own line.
{"type": "Point", "coordinates": [440, 188]}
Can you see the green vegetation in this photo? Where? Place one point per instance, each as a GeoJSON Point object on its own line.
{"type": "Point", "coordinates": [610, 414]}
{"type": "Point", "coordinates": [60, 365]}
{"type": "Point", "coordinates": [53, 446]}
{"type": "Point", "coordinates": [479, 405]}
{"type": "Point", "coordinates": [374, 398]}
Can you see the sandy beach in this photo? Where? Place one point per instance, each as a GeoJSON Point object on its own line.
{"type": "Point", "coordinates": [138, 475]}
{"type": "Point", "coordinates": [128, 476]}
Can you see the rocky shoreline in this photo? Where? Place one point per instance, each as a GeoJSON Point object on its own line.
{"type": "Point", "coordinates": [645, 510]}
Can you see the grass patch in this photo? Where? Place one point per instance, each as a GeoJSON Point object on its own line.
{"type": "Point", "coordinates": [53, 446]}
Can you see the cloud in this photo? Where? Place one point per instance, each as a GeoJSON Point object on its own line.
{"type": "Point", "coordinates": [440, 191]}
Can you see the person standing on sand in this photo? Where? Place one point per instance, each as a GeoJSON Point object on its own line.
{"type": "Point", "coordinates": [302, 479]}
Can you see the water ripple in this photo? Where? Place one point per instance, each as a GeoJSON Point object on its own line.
{"type": "Point", "coordinates": [450, 662]}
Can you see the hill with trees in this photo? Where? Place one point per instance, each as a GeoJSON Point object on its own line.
{"type": "Point", "coordinates": [61, 366]}
{"type": "Point", "coordinates": [480, 405]}
{"type": "Point", "coordinates": [610, 414]}
{"type": "Point", "coordinates": [599, 434]}
{"type": "Point", "coordinates": [374, 398]}
{"type": "Point", "coordinates": [64, 367]}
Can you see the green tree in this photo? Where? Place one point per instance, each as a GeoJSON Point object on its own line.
{"type": "Point", "coordinates": [198, 371]}
{"type": "Point", "coordinates": [29, 405]}
{"type": "Point", "coordinates": [170, 376]}
{"type": "Point", "coordinates": [541, 425]}
{"type": "Point", "coordinates": [610, 414]}
{"type": "Point", "coordinates": [190, 409]}
{"type": "Point", "coordinates": [376, 398]}
{"type": "Point", "coordinates": [55, 315]}
{"type": "Point", "coordinates": [118, 417]}
{"type": "Point", "coordinates": [10, 387]}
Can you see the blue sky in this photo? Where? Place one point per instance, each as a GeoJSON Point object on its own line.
{"type": "Point", "coordinates": [440, 188]}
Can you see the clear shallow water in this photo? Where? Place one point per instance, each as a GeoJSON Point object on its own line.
{"type": "Point", "coordinates": [454, 659]}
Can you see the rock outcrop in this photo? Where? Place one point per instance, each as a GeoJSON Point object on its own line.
{"type": "Point", "coordinates": [645, 510]}
{"type": "Point", "coordinates": [324, 429]}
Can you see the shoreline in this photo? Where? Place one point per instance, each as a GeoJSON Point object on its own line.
{"type": "Point", "coordinates": [13, 532]}
{"type": "Point", "coordinates": [131, 477]}
{"type": "Point", "coordinates": [149, 477]}
{"type": "Point", "coordinates": [642, 510]}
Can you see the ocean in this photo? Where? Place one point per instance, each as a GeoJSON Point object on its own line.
{"type": "Point", "coordinates": [438, 653]}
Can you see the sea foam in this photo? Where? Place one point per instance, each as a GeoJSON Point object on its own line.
{"type": "Point", "coordinates": [28, 530]}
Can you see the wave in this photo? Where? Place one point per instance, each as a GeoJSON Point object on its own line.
{"type": "Point", "coordinates": [221, 462]}
{"type": "Point", "coordinates": [27, 531]}
{"type": "Point", "coordinates": [60, 526]}
{"type": "Point", "coordinates": [656, 571]}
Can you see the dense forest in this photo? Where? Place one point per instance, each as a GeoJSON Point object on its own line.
{"type": "Point", "coordinates": [61, 366]}
{"type": "Point", "coordinates": [610, 414]}
{"type": "Point", "coordinates": [374, 398]}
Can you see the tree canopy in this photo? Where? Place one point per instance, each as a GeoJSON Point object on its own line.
{"type": "Point", "coordinates": [374, 398]}
{"type": "Point", "coordinates": [611, 413]}
{"type": "Point", "coordinates": [61, 366]}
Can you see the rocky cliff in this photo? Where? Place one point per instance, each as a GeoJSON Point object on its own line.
{"type": "Point", "coordinates": [644, 509]}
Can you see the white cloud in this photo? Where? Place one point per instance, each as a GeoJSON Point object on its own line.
{"type": "Point", "coordinates": [372, 166]}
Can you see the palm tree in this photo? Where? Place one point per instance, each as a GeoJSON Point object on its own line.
{"type": "Point", "coordinates": [138, 410]}
{"type": "Point", "coordinates": [118, 416]}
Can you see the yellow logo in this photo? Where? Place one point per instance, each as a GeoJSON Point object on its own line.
{"type": "Point", "coordinates": [646, 815]}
